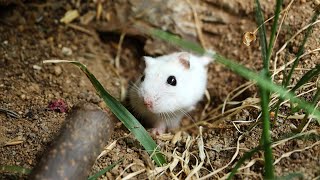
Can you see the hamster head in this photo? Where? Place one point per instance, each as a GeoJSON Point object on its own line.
{"type": "Point", "coordinates": [171, 83]}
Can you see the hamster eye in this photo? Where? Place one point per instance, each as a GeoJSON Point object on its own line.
{"type": "Point", "coordinates": [142, 78]}
{"type": "Point", "coordinates": [172, 81]}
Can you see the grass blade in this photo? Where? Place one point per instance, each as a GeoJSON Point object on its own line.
{"type": "Point", "coordinates": [262, 35]}
{"type": "Point", "coordinates": [295, 63]}
{"type": "Point", "coordinates": [178, 41]}
{"type": "Point", "coordinates": [265, 83]}
{"type": "Point", "coordinates": [15, 169]}
{"type": "Point", "coordinates": [244, 72]}
{"type": "Point", "coordinates": [266, 137]}
{"type": "Point", "coordinates": [265, 94]}
{"type": "Point", "coordinates": [306, 77]}
{"type": "Point", "coordinates": [246, 156]}
{"type": "Point", "coordinates": [131, 123]}
{"type": "Point", "coordinates": [314, 101]}
{"type": "Point", "coordinates": [274, 29]}
{"type": "Point", "coordinates": [103, 171]}
{"type": "Point", "coordinates": [301, 48]}
{"type": "Point", "coordinates": [291, 176]}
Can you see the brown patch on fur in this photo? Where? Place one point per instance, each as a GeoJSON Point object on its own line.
{"type": "Point", "coordinates": [184, 60]}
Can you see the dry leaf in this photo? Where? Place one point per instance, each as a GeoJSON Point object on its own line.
{"type": "Point", "coordinates": [69, 16]}
{"type": "Point", "coordinates": [248, 37]}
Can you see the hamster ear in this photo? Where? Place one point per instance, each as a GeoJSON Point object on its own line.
{"type": "Point", "coordinates": [184, 60]}
{"type": "Point", "coordinates": [148, 60]}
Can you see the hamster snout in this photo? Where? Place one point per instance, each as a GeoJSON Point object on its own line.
{"type": "Point", "coordinates": [148, 103]}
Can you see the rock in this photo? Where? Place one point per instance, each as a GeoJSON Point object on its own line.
{"type": "Point", "coordinates": [66, 51]}
{"type": "Point", "coordinates": [35, 88]}
{"type": "Point", "coordinates": [102, 105]}
{"type": "Point", "coordinates": [36, 67]}
{"type": "Point", "coordinates": [57, 70]}
{"type": "Point", "coordinates": [23, 96]}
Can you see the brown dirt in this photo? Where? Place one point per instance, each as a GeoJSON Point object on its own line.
{"type": "Point", "coordinates": [30, 32]}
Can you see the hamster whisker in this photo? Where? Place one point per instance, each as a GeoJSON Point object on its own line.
{"type": "Point", "coordinates": [166, 117]}
{"type": "Point", "coordinates": [135, 88]}
{"type": "Point", "coordinates": [172, 117]}
{"type": "Point", "coordinates": [187, 115]}
{"type": "Point", "coordinates": [135, 96]}
{"type": "Point", "coordinates": [161, 115]}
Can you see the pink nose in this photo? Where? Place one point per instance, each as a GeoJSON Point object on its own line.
{"type": "Point", "coordinates": [148, 103]}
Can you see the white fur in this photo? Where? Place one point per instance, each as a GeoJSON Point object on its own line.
{"type": "Point", "coordinates": [170, 103]}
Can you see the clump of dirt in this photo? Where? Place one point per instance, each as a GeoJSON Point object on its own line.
{"type": "Point", "coordinates": [31, 32]}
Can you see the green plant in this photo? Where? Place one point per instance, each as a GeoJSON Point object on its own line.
{"type": "Point", "coordinates": [287, 80]}
{"type": "Point", "coordinates": [15, 169]}
{"type": "Point", "coordinates": [132, 124]}
{"type": "Point", "coordinates": [266, 52]}
{"type": "Point", "coordinates": [262, 79]}
{"type": "Point", "coordinates": [103, 171]}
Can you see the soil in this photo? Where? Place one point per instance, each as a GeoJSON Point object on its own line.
{"type": "Point", "coordinates": [31, 32]}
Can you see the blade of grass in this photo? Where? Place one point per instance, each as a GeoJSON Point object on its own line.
{"type": "Point", "coordinates": [301, 48]}
{"type": "Point", "coordinates": [262, 35]}
{"type": "Point", "coordinates": [267, 84]}
{"type": "Point", "coordinates": [291, 176]}
{"type": "Point", "coordinates": [306, 77]}
{"type": "Point", "coordinates": [262, 81]}
{"type": "Point", "coordinates": [177, 41]}
{"type": "Point", "coordinates": [246, 156]}
{"type": "Point", "coordinates": [295, 63]}
{"type": "Point", "coordinates": [314, 101]}
{"type": "Point", "coordinates": [266, 137]}
{"type": "Point", "coordinates": [132, 124]}
{"type": "Point", "coordinates": [242, 71]}
{"type": "Point", "coordinates": [103, 171]}
{"type": "Point", "coordinates": [15, 169]}
{"type": "Point", "coordinates": [273, 31]}
{"type": "Point", "coordinates": [265, 94]}
{"type": "Point", "coordinates": [310, 135]}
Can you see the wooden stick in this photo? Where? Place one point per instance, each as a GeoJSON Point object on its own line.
{"type": "Point", "coordinates": [83, 136]}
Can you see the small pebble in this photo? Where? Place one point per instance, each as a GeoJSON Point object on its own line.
{"type": "Point", "coordinates": [36, 67]}
{"type": "Point", "coordinates": [102, 105]}
{"type": "Point", "coordinates": [23, 96]}
{"type": "Point", "coordinates": [292, 126]}
{"type": "Point", "coordinates": [57, 70]}
{"type": "Point", "coordinates": [129, 150]}
{"type": "Point", "coordinates": [66, 51]}
{"type": "Point", "coordinates": [34, 88]}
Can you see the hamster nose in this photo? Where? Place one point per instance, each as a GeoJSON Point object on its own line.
{"type": "Point", "coordinates": [148, 103]}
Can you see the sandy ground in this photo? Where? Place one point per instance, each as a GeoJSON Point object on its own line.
{"type": "Point", "coordinates": [30, 32]}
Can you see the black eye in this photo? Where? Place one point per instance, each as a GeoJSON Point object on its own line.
{"type": "Point", "coordinates": [142, 78]}
{"type": "Point", "coordinates": [172, 81]}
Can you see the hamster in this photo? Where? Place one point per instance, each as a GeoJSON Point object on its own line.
{"type": "Point", "coordinates": [170, 87]}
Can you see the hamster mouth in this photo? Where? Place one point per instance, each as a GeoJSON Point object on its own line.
{"type": "Point", "coordinates": [148, 103]}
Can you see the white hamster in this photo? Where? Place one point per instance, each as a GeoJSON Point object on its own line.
{"type": "Point", "coordinates": [169, 88]}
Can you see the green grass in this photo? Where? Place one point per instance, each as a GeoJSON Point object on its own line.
{"type": "Point", "coordinates": [262, 80]}
{"type": "Point", "coordinates": [287, 80]}
{"type": "Point", "coordinates": [246, 73]}
{"type": "Point", "coordinates": [266, 52]}
{"type": "Point", "coordinates": [15, 169]}
{"type": "Point", "coordinates": [131, 123]}
{"type": "Point", "coordinates": [103, 171]}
